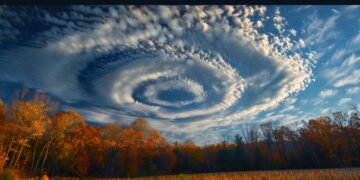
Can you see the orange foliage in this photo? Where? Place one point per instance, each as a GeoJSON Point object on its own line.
{"type": "Point", "coordinates": [37, 140]}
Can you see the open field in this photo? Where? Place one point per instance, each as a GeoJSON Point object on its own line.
{"type": "Point", "coordinates": [286, 174]}
{"type": "Point", "coordinates": [345, 174]}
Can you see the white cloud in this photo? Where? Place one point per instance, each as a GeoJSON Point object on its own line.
{"type": "Point", "coordinates": [292, 32]}
{"type": "Point", "coordinates": [319, 101]}
{"type": "Point", "coordinates": [346, 73]}
{"type": "Point", "coordinates": [327, 93]}
{"type": "Point", "coordinates": [262, 10]}
{"type": "Point", "coordinates": [335, 11]}
{"type": "Point", "coordinates": [352, 7]}
{"type": "Point", "coordinates": [302, 8]}
{"type": "Point", "coordinates": [344, 101]}
{"type": "Point", "coordinates": [353, 90]}
{"type": "Point", "coordinates": [356, 39]}
{"type": "Point", "coordinates": [259, 24]}
{"type": "Point", "coordinates": [337, 55]}
{"type": "Point", "coordinates": [288, 108]}
{"type": "Point", "coordinates": [319, 31]}
{"type": "Point", "coordinates": [325, 111]}
{"type": "Point", "coordinates": [301, 43]}
{"type": "Point", "coordinates": [351, 61]}
{"type": "Point", "coordinates": [279, 21]}
{"type": "Point", "coordinates": [350, 79]}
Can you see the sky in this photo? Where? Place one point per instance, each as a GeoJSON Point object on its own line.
{"type": "Point", "coordinates": [194, 72]}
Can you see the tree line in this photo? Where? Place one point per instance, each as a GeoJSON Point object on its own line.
{"type": "Point", "coordinates": [37, 139]}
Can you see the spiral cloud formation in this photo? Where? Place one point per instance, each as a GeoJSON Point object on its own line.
{"type": "Point", "coordinates": [185, 68]}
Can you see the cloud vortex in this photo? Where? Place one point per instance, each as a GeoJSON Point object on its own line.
{"type": "Point", "coordinates": [186, 68]}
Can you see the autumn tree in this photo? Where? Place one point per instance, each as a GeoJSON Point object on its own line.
{"type": "Point", "coordinates": [189, 156]}
{"type": "Point", "coordinates": [35, 139]}
{"type": "Point", "coordinates": [136, 150]}
{"type": "Point", "coordinates": [61, 140]}
{"type": "Point", "coordinates": [3, 158]}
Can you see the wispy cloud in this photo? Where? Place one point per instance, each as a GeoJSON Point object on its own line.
{"type": "Point", "coordinates": [353, 90]}
{"type": "Point", "coordinates": [327, 93]}
{"type": "Point", "coordinates": [319, 31]}
{"type": "Point", "coordinates": [344, 101]}
{"type": "Point", "coordinates": [346, 74]}
{"type": "Point", "coordinates": [335, 11]}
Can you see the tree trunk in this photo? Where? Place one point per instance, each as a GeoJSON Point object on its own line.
{"type": "Point", "coordinates": [10, 145]}
{"type": "Point", "coordinates": [38, 160]}
{"type": "Point", "coordinates": [46, 154]}
{"type": "Point", "coordinates": [33, 158]}
{"type": "Point", "coordinates": [26, 159]}
{"type": "Point", "coordinates": [17, 159]}
{"type": "Point", "coordinates": [13, 156]}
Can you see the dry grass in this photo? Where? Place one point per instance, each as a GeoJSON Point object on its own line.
{"type": "Point", "coordinates": [286, 175]}
{"type": "Point", "coordinates": [345, 174]}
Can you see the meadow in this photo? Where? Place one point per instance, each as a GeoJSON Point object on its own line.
{"type": "Point", "coordinates": [340, 173]}
{"type": "Point", "coordinates": [277, 174]}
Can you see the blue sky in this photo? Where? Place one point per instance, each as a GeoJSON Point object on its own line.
{"type": "Point", "coordinates": [199, 72]}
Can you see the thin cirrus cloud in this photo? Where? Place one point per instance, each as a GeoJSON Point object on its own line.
{"type": "Point", "coordinates": [344, 101]}
{"type": "Point", "coordinates": [347, 73]}
{"type": "Point", "coordinates": [118, 60]}
{"type": "Point", "coordinates": [353, 90]}
{"type": "Point", "coordinates": [327, 93]}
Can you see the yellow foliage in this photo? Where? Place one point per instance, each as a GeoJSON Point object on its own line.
{"type": "Point", "coordinates": [3, 158]}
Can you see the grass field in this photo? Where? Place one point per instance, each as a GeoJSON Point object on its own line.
{"type": "Point", "coordinates": [286, 174]}
{"type": "Point", "coordinates": [345, 174]}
